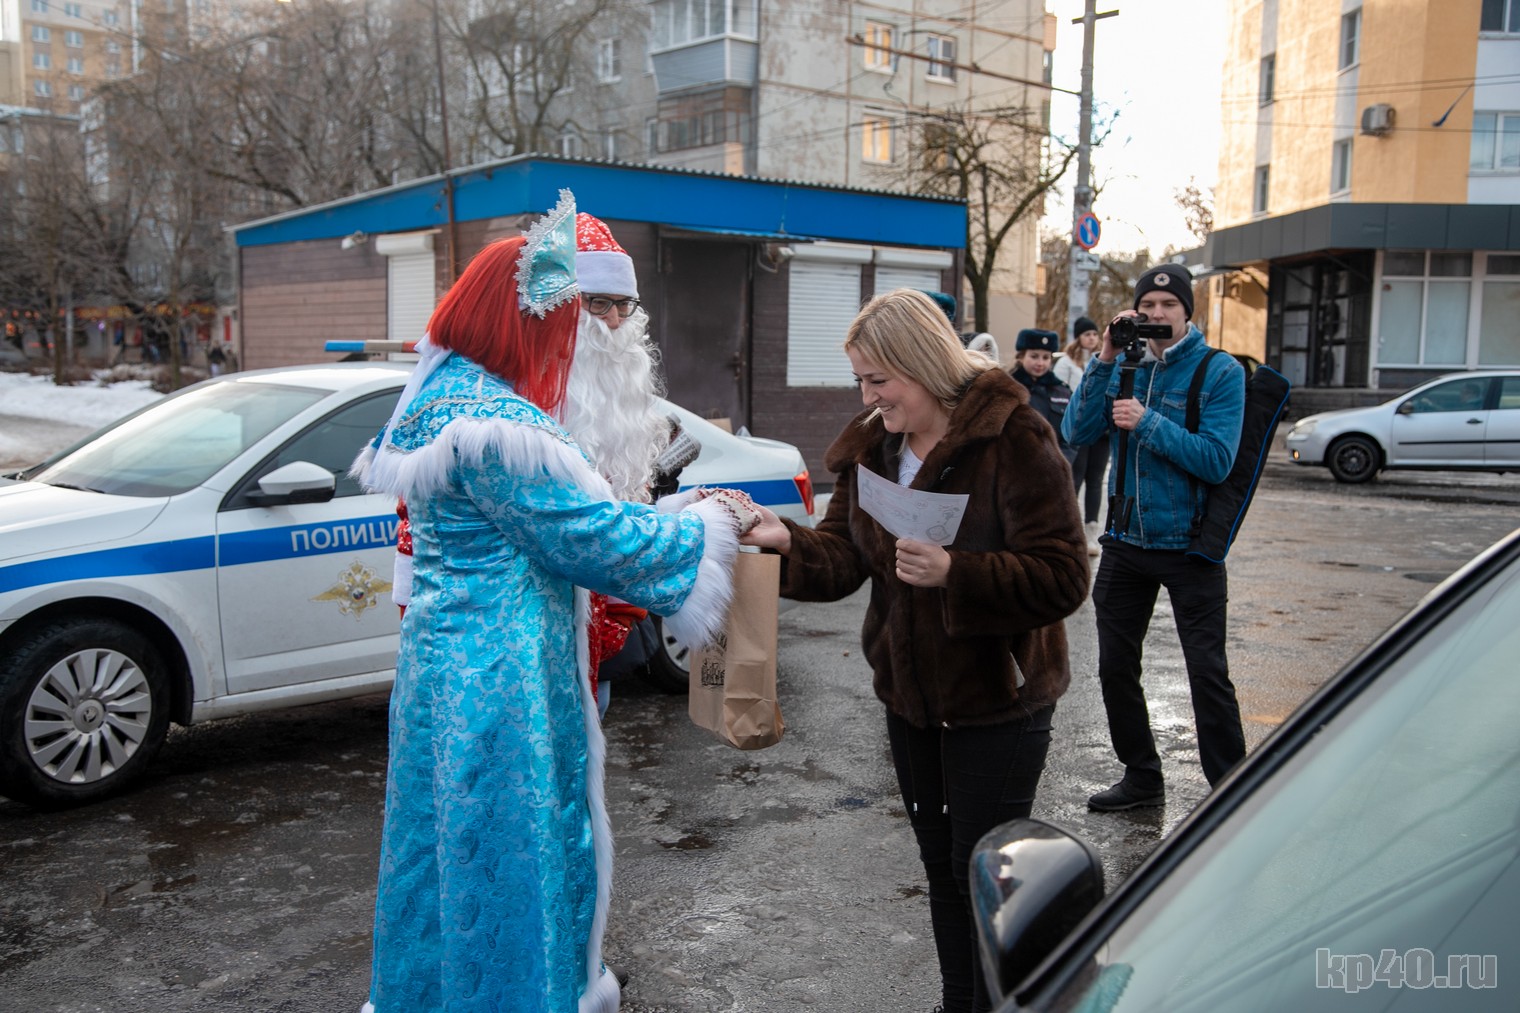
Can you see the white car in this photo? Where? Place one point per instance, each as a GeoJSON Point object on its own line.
{"type": "Point", "coordinates": [1458, 422]}
{"type": "Point", "coordinates": [209, 556]}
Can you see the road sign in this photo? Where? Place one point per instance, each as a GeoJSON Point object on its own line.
{"type": "Point", "coordinates": [1087, 261]}
{"type": "Point", "coordinates": [1088, 231]}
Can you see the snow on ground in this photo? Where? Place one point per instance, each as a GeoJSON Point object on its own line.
{"type": "Point", "coordinates": [38, 418]}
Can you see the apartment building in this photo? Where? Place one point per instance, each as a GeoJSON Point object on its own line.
{"type": "Point", "coordinates": [52, 52]}
{"type": "Point", "coordinates": [820, 91]}
{"type": "Point", "coordinates": [1367, 217]}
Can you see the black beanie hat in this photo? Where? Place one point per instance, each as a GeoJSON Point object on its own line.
{"type": "Point", "coordinates": [1082, 326]}
{"type": "Point", "coordinates": [1030, 338]}
{"type": "Point", "coordinates": [1173, 278]}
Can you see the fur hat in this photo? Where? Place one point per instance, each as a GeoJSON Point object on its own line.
{"type": "Point", "coordinates": [1082, 325]}
{"type": "Point", "coordinates": [945, 301]}
{"type": "Point", "coordinates": [602, 267]}
{"type": "Point", "coordinates": [1031, 339]}
{"type": "Point", "coordinates": [1173, 278]}
{"type": "Point", "coordinates": [981, 342]}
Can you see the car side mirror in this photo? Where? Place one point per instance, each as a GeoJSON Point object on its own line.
{"type": "Point", "coordinates": [296, 482]}
{"type": "Point", "coordinates": [1407, 408]}
{"type": "Point", "coordinates": [1031, 883]}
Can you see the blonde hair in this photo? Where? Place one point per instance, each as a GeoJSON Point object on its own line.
{"type": "Point", "coordinates": [906, 333]}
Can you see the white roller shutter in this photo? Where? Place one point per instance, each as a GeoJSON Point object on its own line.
{"type": "Point", "coordinates": [923, 279]}
{"type": "Point", "coordinates": [824, 299]}
{"type": "Point", "coordinates": [410, 283]}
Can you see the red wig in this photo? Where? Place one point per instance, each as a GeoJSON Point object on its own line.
{"type": "Point", "coordinates": [480, 319]}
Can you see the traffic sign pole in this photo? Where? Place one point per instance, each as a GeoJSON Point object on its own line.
{"type": "Point", "coordinates": [1082, 194]}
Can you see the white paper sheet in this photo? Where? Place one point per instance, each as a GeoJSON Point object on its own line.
{"type": "Point", "coordinates": [932, 517]}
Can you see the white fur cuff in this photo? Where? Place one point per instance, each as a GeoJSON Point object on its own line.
{"type": "Point", "coordinates": [699, 621]}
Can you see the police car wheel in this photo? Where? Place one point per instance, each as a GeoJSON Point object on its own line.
{"type": "Point", "coordinates": [84, 705]}
{"type": "Point", "coordinates": [668, 667]}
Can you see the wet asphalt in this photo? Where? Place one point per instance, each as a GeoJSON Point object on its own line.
{"type": "Point", "coordinates": [239, 875]}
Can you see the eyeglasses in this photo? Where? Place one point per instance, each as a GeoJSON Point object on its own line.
{"type": "Point", "coordinates": [600, 305]}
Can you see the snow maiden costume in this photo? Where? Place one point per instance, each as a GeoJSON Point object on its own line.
{"type": "Point", "coordinates": [495, 862]}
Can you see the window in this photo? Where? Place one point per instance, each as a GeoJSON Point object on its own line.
{"type": "Point", "coordinates": [76, 92]}
{"type": "Point", "coordinates": [73, 39]}
{"type": "Point", "coordinates": [39, 6]}
{"type": "Point", "coordinates": [113, 68]}
{"type": "Point", "coordinates": [1498, 337]}
{"type": "Point", "coordinates": [1263, 187]}
{"type": "Point", "coordinates": [1495, 142]}
{"type": "Point", "coordinates": [609, 60]}
{"type": "Point", "coordinates": [42, 33]}
{"type": "Point", "coordinates": [108, 18]}
{"type": "Point", "coordinates": [324, 444]}
{"type": "Point", "coordinates": [609, 143]}
{"type": "Point", "coordinates": [1048, 69]}
{"type": "Point", "coordinates": [941, 58]}
{"type": "Point", "coordinates": [652, 135]}
{"type": "Point", "coordinates": [42, 89]}
{"type": "Point", "coordinates": [878, 39]}
{"type": "Point", "coordinates": [42, 61]}
{"type": "Point", "coordinates": [876, 139]}
{"type": "Point", "coordinates": [1351, 34]}
{"type": "Point", "coordinates": [112, 46]}
{"type": "Point", "coordinates": [73, 10]}
{"type": "Point", "coordinates": [679, 22]}
{"type": "Point", "coordinates": [1268, 72]}
{"type": "Point", "coordinates": [1340, 166]}
{"type": "Point", "coordinates": [569, 145]}
{"type": "Point", "coordinates": [76, 65]}
{"type": "Point", "coordinates": [1424, 320]}
{"type": "Point", "coordinates": [1497, 16]}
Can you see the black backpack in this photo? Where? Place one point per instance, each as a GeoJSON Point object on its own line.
{"type": "Point", "coordinates": [1214, 529]}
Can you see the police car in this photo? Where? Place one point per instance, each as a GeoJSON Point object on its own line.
{"type": "Point", "coordinates": [209, 556]}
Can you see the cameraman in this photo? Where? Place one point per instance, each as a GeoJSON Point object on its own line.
{"type": "Point", "coordinates": [1165, 473]}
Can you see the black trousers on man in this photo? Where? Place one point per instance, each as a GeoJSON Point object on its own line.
{"type": "Point", "coordinates": [1124, 597]}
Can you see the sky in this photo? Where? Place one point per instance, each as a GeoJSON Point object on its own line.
{"type": "Point", "coordinates": [1157, 64]}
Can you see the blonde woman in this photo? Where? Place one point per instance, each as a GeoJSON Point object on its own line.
{"type": "Point", "coordinates": [1091, 463]}
{"type": "Point", "coordinates": [965, 642]}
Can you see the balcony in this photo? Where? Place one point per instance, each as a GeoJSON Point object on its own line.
{"type": "Point", "coordinates": [709, 63]}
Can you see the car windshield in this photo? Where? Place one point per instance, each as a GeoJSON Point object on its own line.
{"type": "Point", "coordinates": [175, 445]}
{"type": "Point", "coordinates": [1384, 856]}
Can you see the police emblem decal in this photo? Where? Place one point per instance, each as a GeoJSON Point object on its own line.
{"type": "Point", "coordinates": [357, 589]}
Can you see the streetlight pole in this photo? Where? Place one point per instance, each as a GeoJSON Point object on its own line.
{"type": "Point", "coordinates": [1082, 194]}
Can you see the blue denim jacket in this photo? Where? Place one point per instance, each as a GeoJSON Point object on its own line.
{"type": "Point", "coordinates": [1162, 453]}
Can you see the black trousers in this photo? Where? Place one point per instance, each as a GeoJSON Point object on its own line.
{"type": "Point", "coordinates": [1089, 468]}
{"type": "Point", "coordinates": [1124, 597]}
{"type": "Point", "coordinates": [957, 784]}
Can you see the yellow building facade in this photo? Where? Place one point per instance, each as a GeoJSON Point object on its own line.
{"type": "Point", "coordinates": [1367, 217]}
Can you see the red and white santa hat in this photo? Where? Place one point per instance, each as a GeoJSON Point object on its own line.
{"type": "Point", "coordinates": [602, 267]}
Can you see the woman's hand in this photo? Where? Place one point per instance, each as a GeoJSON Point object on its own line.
{"type": "Point", "coordinates": [770, 533]}
{"type": "Point", "coordinates": [922, 564]}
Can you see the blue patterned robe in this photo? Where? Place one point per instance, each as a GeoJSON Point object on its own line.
{"type": "Point", "coordinates": [496, 856]}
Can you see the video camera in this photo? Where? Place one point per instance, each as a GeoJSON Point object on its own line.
{"type": "Point", "coordinates": [1131, 334]}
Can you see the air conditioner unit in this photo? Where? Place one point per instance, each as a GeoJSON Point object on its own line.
{"type": "Point", "coordinates": [1377, 120]}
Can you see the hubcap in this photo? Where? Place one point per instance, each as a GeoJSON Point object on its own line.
{"type": "Point", "coordinates": [87, 716]}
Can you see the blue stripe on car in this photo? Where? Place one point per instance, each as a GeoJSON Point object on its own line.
{"type": "Point", "coordinates": [767, 493]}
{"type": "Point", "coordinates": [183, 554]}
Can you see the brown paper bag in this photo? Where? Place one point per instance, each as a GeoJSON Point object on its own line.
{"type": "Point", "coordinates": [733, 682]}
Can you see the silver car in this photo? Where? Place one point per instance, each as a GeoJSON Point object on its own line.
{"type": "Point", "coordinates": [1457, 422]}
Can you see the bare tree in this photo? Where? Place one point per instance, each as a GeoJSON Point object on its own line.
{"type": "Point", "coordinates": [1197, 208]}
{"type": "Point", "coordinates": [1001, 162]}
{"type": "Point", "coordinates": [1110, 290]}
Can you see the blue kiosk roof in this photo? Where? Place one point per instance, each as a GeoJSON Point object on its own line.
{"type": "Point", "coordinates": [779, 210]}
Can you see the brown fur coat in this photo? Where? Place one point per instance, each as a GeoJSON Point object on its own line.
{"type": "Point", "coordinates": [1018, 566]}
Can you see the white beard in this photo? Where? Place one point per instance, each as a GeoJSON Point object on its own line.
{"type": "Point", "coordinates": [609, 402]}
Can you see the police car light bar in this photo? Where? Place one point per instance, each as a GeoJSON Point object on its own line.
{"type": "Point", "coordinates": [376, 345]}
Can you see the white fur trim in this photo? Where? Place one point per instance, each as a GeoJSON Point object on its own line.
{"type": "Point", "coordinates": [425, 472]}
{"type": "Point", "coordinates": [678, 501]}
{"type": "Point", "coordinates": [368, 1007]}
{"type": "Point", "coordinates": [596, 998]}
{"type": "Point", "coordinates": [606, 272]}
{"type": "Point", "coordinates": [401, 579]}
{"type": "Point", "coordinates": [602, 995]}
{"type": "Point", "coordinates": [705, 612]}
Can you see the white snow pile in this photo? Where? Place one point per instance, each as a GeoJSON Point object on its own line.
{"type": "Point", "coordinates": [37, 415]}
